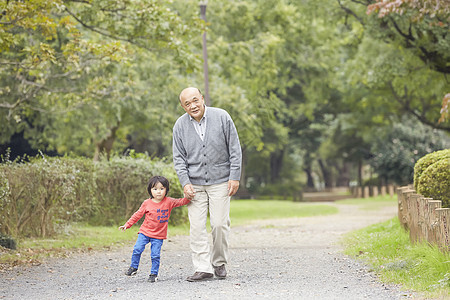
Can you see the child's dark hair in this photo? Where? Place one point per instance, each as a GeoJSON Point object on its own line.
{"type": "Point", "coordinates": [154, 181]}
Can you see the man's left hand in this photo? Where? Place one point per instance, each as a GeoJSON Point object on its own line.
{"type": "Point", "coordinates": [233, 186]}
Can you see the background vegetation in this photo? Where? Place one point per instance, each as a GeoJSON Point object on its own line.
{"type": "Point", "coordinates": [432, 176]}
{"type": "Point", "coordinates": [42, 198]}
{"type": "Point", "coordinates": [324, 93]}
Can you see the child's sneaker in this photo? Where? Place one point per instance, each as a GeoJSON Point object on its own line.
{"type": "Point", "coordinates": [131, 271]}
{"type": "Point", "coordinates": [152, 278]}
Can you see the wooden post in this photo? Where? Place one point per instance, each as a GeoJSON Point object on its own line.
{"type": "Point", "coordinates": [404, 194]}
{"type": "Point", "coordinates": [413, 217]}
{"type": "Point", "coordinates": [366, 192]}
{"type": "Point", "coordinates": [422, 205]}
{"type": "Point", "coordinates": [383, 190]}
{"type": "Point", "coordinates": [374, 191]}
{"type": "Point", "coordinates": [359, 192]}
{"type": "Point", "coordinates": [443, 230]}
{"type": "Point", "coordinates": [391, 190]}
{"type": "Point", "coordinates": [432, 221]}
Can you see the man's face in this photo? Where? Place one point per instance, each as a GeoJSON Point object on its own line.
{"type": "Point", "coordinates": [193, 103]}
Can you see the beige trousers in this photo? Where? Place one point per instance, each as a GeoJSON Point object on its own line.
{"type": "Point", "coordinates": [216, 199]}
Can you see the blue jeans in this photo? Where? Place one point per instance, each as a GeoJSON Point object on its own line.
{"type": "Point", "coordinates": [139, 247]}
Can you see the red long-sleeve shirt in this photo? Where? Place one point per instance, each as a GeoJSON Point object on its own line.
{"type": "Point", "coordinates": [156, 216]}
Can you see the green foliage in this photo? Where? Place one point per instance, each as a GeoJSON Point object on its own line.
{"type": "Point", "coordinates": [7, 242]}
{"type": "Point", "coordinates": [396, 149]}
{"type": "Point", "coordinates": [387, 248]}
{"type": "Point", "coordinates": [68, 69]}
{"type": "Point", "coordinates": [43, 194]}
{"type": "Point", "coordinates": [122, 187]}
{"type": "Point", "coordinates": [435, 181]}
{"type": "Point", "coordinates": [306, 82]}
{"type": "Point", "coordinates": [41, 197]}
{"type": "Point", "coordinates": [424, 162]}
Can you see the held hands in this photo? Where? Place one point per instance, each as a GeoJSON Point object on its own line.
{"type": "Point", "coordinates": [189, 191]}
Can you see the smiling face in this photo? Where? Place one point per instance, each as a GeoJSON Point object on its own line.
{"type": "Point", "coordinates": [193, 103]}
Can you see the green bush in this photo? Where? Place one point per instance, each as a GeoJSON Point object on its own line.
{"type": "Point", "coordinates": [424, 162]}
{"type": "Point", "coordinates": [122, 187]}
{"type": "Point", "coordinates": [7, 242]}
{"type": "Point", "coordinates": [40, 197]}
{"type": "Point", "coordinates": [283, 191]}
{"type": "Point", "coordinates": [435, 182]}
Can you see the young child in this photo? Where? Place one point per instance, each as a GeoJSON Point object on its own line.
{"type": "Point", "coordinates": [153, 230]}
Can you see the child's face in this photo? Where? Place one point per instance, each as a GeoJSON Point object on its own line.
{"type": "Point", "coordinates": [158, 192]}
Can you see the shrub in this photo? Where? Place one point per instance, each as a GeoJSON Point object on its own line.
{"type": "Point", "coordinates": [426, 161]}
{"type": "Point", "coordinates": [435, 182]}
{"type": "Point", "coordinates": [7, 242]}
{"type": "Point", "coordinates": [40, 197]}
{"type": "Point", "coordinates": [122, 187]}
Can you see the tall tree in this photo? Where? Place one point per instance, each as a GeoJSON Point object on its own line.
{"type": "Point", "coordinates": [62, 57]}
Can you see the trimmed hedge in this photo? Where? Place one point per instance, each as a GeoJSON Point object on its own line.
{"type": "Point", "coordinates": [39, 198]}
{"type": "Point", "coordinates": [435, 182]}
{"type": "Point", "coordinates": [432, 176]}
{"type": "Point", "coordinates": [424, 162]}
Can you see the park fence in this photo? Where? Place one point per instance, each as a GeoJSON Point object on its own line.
{"type": "Point", "coordinates": [424, 218]}
{"type": "Point", "coordinates": [372, 191]}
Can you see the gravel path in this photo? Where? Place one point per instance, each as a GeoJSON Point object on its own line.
{"type": "Point", "coordinates": [275, 259]}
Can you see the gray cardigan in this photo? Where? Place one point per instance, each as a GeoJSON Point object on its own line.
{"type": "Point", "coordinates": [214, 160]}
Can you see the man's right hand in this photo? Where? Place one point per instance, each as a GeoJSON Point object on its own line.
{"type": "Point", "coordinates": [189, 191]}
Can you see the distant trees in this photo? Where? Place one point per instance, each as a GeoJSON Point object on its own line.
{"type": "Point", "coordinates": [68, 69]}
{"type": "Point", "coordinates": [317, 89]}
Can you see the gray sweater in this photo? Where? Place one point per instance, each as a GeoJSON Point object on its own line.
{"type": "Point", "coordinates": [214, 160]}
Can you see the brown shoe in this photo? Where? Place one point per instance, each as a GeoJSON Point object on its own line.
{"type": "Point", "coordinates": [220, 272]}
{"type": "Point", "coordinates": [199, 276]}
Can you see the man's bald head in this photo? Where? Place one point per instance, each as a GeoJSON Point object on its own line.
{"type": "Point", "coordinates": [191, 99]}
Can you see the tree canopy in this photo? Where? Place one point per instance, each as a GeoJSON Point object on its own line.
{"type": "Point", "coordinates": [318, 89]}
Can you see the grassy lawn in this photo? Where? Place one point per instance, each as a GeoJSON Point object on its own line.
{"type": "Point", "coordinates": [373, 203]}
{"type": "Point", "coordinates": [245, 211]}
{"type": "Point", "coordinates": [387, 249]}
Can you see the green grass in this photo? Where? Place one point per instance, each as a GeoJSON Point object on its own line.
{"type": "Point", "coordinates": [83, 236]}
{"type": "Point", "coordinates": [245, 211]}
{"type": "Point", "coordinates": [387, 249]}
{"type": "Point", "coordinates": [374, 203]}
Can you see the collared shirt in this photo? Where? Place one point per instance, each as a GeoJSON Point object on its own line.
{"type": "Point", "coordinates": [200, 127]}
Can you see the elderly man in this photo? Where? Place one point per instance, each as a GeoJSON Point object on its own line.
{"type": "Point", "coordinates": [207, 158]}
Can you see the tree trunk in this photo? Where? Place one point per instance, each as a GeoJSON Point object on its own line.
{"type": "Point", "coordinates": [344, 174]}
{"type": "Point", "coordinates": [308, 170]}
{"type": "Point", "coordinates": [360, 165]}
{"type": "Point", "coordinates": [276, 162]}
{"type": "Point", "coordinates": [105, 145]}
{"type": "Point", "coordinates": [327, 176]}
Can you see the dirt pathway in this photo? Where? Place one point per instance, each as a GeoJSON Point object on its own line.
{"type": "Point", "coordinates": [275, 259]}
